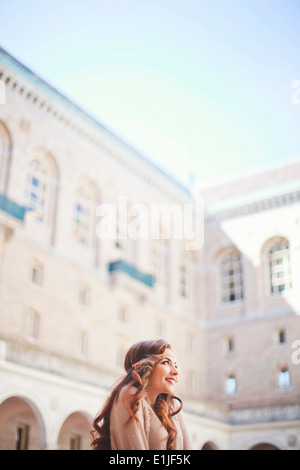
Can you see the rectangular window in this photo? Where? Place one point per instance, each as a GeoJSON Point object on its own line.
{"type": "Point", "coordinates": [81, 343]}
{"type": "Point", "coordinates": [157, 261]}
{"type": "Point", "coordinates": [231, 277]}
{"type": "Point", "coordinates": [123, 314]}
{"type": "Point", "coordinates": [34, 181]}
{"type": "Point", "coordinates": [281, 336]}
{"type": "Point", "coordinates": [33, 324]}
{"type": "Point", "coordinates": [183, 286]}
{"type": "Point", "coordinates": [230, 385]}
{"type": "Point", "coordinates": [186, 277]}
{"type": "Point", "coordinates": [230, 345]}
{"type": "Point", "coordinates": [83, 219]}
{"type": "Point", "coordinates": [38, 190]}
{"type": "Point", "coordinates": [22, 437]}
{"type": "Point", "coordinates": [279, 267]}
{"type": "Point", "coordinates": [191, 343]}
{"type": "Point", "coordinates": [192, 383]}
{"type": "Point", "coordinates": [284, 378]}
{"type": "Point", "coordinates": [121, 241]}
{"type": "Point", "coordinates": [75, 442]}
{"type": "Point", "coordinates": [160, 329]}
{"type": "Point", "coordinates": [84, 295]}
{"type": "Point", "coordinates": [37, 273]}
{"type": "Point", "coordinates": [120, 355]}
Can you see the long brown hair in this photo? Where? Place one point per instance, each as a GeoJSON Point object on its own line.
{"type": "Point", "coordinates": [139, 364]}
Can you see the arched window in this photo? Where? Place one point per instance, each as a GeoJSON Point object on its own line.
{"type": "Point", "coordinates": [41, 187]}
{"type": "Point", "coordinates": [84, 213]}
{"type": "Point", "coordinates": [279, 266]}
{"type": "Point", "coordinates": [231, 277]}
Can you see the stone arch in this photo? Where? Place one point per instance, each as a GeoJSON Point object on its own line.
{"type": "Point", "coordinates": [264, 446]}
{"type": "Point", "coordinates": [74, 433]}
{"type": "Point", "coordinates": [269, 241]}
{"type": "Point", "coordinates": [209, 445]}
{"type": "Point", "coordinates": [21, 425]}
{"type": "Point", "coordinates": [91, 184]}
{"type": "Point", "coordinates": [272, 443]}
{"type": "Point", "coordinates": [220, 252]}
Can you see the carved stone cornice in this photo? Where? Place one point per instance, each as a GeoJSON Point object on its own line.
{"type": "Point", "coordinates": [223, 211]}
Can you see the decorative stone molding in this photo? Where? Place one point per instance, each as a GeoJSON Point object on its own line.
{"type": "Point", "coordinates": [212, 213]}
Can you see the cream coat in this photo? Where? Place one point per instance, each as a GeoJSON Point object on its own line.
{"type": "Point", "coordinates": [148, 433]}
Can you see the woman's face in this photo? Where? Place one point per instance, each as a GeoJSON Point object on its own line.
{"type": "Point", "coordinates": [164, 375]}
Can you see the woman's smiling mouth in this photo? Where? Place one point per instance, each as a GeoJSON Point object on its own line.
{"type": "Point", "coordinates": [171, 380]}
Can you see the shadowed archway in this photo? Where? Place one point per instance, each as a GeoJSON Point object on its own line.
{"type": "Point", "coordinates": [264, 446]}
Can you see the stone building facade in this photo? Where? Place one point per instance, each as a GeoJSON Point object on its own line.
{"type": "Point", "coordinates": [72, 301]}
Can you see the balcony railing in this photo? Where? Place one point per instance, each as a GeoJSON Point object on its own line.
{"type": "Point", "coordinates": [12, 208]}
{"type": "Point", "coordinates": [132, 271]}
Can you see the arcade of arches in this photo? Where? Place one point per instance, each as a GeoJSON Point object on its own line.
{"type": "Point", "coordinates": [22, 428]}
{"type": "Point", "coordinates": [261, 446]}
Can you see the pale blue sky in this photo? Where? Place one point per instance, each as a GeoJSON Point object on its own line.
{"type": "Point", "coordinates": [198, 86]}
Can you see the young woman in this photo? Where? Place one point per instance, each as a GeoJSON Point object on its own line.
{"type": "Point", "coordinates": [142, 412]}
